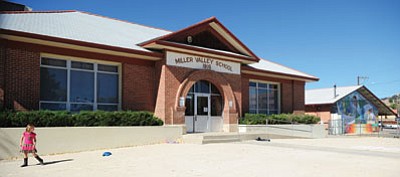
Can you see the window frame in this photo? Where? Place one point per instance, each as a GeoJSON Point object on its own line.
{"type": "Point", "coordinates": [268, 89]}
{"type": "Point", "coordinates": [193, 93]}
{"type": "Point", "coordinates": [95, 72]}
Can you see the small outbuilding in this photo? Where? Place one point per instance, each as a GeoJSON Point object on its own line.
{"type": "Point", "coordinates": [352, 109]}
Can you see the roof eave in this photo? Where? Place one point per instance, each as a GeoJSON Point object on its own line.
{"type": "Point", "coordinates": [166, 45]}
{"type": "Point", "coordinates": [77, 42]}
{"type": "Point", "coordinates": [378, 100]}
{"type": "Point", "coordinates": [268, 73]}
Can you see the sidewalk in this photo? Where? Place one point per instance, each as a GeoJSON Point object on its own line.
{"type": "Point", "coordinates": [349, 156]}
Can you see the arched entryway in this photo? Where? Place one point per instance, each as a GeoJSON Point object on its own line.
{"type": "Point", "coordinates": [230, 104]}
{"type": "Point", "coordinates": [204, 108]}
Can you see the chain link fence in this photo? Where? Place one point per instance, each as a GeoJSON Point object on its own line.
{"type": "Point", "coordinates": [344, 127]}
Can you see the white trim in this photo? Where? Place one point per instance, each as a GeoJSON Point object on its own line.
{"type": "Point", "coordinates": [68, 85]}
{"type": "Point", "coordinates": [276, 76]}
{"type": "Point", "coordinates": [95, 87]}
{"type": "Point", "coordinates": [81, 48]}
{"type": "Point", "coordinates": [194, 52]}
{"type": "Point", "coordinates": [263, 81]}
{"type": "Point", "coordinates": [81, 59]}
{"type": "Point", "coordinates": [229, 38]}
{"type": "Point", "coordinates": [120, 87]}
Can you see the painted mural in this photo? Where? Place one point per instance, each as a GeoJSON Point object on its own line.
{"type": "Point", "coordinates": [358, 114]}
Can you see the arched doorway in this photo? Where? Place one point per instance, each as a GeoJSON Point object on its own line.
{"type": "Point", "coordinates": [204, 108]}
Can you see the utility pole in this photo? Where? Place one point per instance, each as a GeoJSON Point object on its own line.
{"type": "Point", "coordinates": [398, 105]}
{"type": "Point", "coordinates": [361, 78]}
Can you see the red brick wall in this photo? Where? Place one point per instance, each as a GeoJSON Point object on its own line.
{"type": "Point", "coordinates": [160, 89]}
{"type": "Point", "coordinates": [138, 87]}
{"type": "Point", "coordinates": [245, 95]}
{"type": "Point", "coordinates": [298, 97]}
{"type": "Point", "coordinates": [142, 85]}
{"type": "Point", "coordinates": [21, 79]}
{"type": "Point", "coordinates": [287, 97]}
{"type": "Point", "coordinates": [171, 80]}
{"type": "Point", "coordinates": [321, 111]}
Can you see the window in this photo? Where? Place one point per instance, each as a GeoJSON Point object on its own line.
{"type": "Point", "coordinates": [75, 86]}
{"type": "Point", "coordinates": [263, 98]}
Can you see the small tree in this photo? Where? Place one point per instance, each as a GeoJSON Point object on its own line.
{"type": "Point", "coordinates": [393, 106]}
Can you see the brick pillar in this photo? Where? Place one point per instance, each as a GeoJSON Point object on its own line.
{"type": "Point", "coordinates": [137, 87]}
{"type": "Point", "coordinates": [21, 79]}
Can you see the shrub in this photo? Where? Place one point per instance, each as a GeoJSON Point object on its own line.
{"type": "Point", "coordinates": [257, 119]}
{"type": "Point", "coordinates": [45, 118]}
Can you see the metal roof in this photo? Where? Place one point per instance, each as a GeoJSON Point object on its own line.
{"type": "Point", "coordinates": [86, 27]}
{"type": "Point", "coordinates": [266, 65]}
{"type": "Point", "coordinates": [81, 26]}
{"type": "Point", "coordinates": [326, 96]}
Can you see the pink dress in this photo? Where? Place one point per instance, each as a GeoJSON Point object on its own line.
{"type": "Point", "coordinates": [28, 146]}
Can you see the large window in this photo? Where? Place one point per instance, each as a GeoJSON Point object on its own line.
{"type": "Point", "coordinates": [263, 98]}
{"type": "Point", "coordinates": [75, 86]}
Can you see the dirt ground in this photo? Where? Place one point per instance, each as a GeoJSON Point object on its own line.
{"type": "Point", "coordinates": [345, 156]}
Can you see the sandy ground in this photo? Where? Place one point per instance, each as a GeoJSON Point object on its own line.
{"type": "Point", "coordinates": [300, 157]}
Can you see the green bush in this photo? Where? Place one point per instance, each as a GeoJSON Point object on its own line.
{"type": "Point", "coordinates": [45, 118]}
{"type": "Point", "coordinates": [257, 119]}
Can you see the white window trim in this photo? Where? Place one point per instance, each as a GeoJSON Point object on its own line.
{"type": "Point", "coordinates": [68, 68]}
{"type": "Point", "coordinates": [266, 82]}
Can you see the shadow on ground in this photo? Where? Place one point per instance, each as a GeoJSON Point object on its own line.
{"type": "Point", "coordinates": [57, 161]}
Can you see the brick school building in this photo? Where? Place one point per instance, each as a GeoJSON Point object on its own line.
{"type": "Point", "coordinates": [202, 76]}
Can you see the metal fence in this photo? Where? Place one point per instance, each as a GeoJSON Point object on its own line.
{"type": "Point", "coordinates": [341, 127]}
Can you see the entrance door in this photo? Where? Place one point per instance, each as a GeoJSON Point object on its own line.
{"type": "Point", "coordinates": [202, 113]}
{"type": "Point", "coordinates": [203, 108]}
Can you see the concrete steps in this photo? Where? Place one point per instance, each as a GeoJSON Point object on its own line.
{"type": "Point", "coordinates": [223, 137]}
{"type": "Point", "coordinates": [209, 138]}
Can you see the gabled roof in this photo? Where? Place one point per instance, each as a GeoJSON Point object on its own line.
{"type": "Point", "coordinates": [221, 32]}
{"type": "Point", "coordinates": [80, 26]}
{"type": "Point", "coordinates": [269, 67]}
{"type": "Point", "coordinates": [326, 96]}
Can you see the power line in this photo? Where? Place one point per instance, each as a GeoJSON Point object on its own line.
{"type": "Point", "coordinates": [386, 82]}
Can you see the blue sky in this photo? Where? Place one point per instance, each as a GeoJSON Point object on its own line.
{"type": "Point", "coordinates": [335, 40]}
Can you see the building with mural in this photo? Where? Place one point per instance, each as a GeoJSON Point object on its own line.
{"type": "Point", "coordinates": [353, 109]}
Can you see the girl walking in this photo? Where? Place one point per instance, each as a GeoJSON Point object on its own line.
{"type": "Point", "coordinates": [28, 144]}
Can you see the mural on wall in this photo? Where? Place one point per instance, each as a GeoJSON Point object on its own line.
{"type": "Point", "coordinates": [358, 114]}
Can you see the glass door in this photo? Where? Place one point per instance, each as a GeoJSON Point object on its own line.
{"type": "Point", "coordinates": [202, 113]}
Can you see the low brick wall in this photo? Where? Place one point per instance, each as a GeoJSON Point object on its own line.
{"type": "Point", "coordinates": [74, 139]}
{"type": "Point", "coordinates": [286, 131]}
